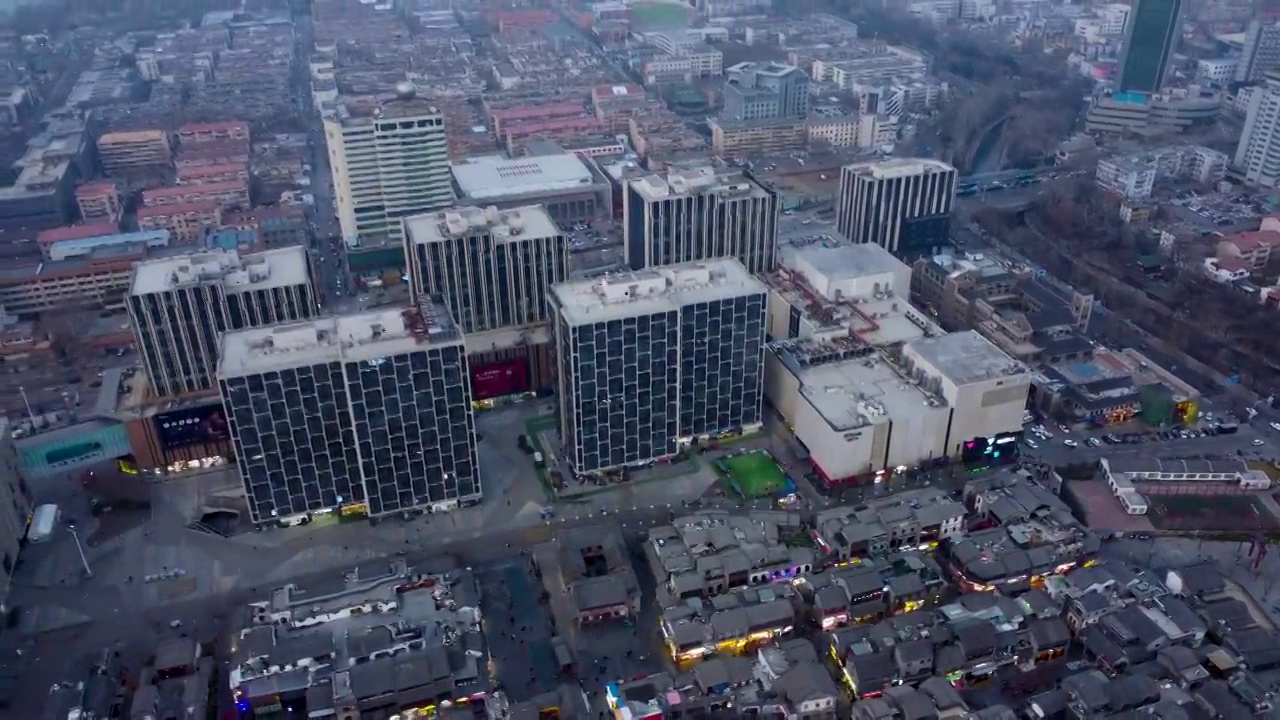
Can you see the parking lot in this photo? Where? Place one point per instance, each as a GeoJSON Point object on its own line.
{"type": "Point", "coordinates": [593, 235]}
{"type": "Point", "coordinates": [1054, 446]}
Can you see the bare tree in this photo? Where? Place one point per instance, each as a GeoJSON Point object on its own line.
{"type": "Point", "coordinates": [65, 330]}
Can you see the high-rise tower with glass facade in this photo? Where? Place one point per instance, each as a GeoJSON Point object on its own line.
{"type": "Point", "coordinates": [650, 360]}
{"type": "Point", "coordinates": [1150, 38]}
{"type": "Point", "coordinates": [180, 305]}
{"type": "Point", "coordinates": [370, 410]}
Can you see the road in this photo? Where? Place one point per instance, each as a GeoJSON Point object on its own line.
{"type": "Point", "coordinates": [1006, 175]}
{"type": "Point", "coordinates": [327, 246]}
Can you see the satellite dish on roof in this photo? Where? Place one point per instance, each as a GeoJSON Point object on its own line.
{"type": "Point", "coordinates": [405, 90]}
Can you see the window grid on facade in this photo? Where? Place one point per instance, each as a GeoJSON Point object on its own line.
{"type": "Point", "coordinates": [631, 387]}
{"type": "Point", "coordinates": [396, 433]}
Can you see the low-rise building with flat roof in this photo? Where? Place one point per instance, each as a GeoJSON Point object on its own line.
{"type": "Point", "coordinates": [834, 291]}
{"type": "Point", "coordinates": [863, 412]}
{"type": "Point", "coordinates": [99, 279]}
{"type": "Point", "coordinates": [738, 138]}
{"type": "Point", "coordinates": [126, 152]}
{"type": "Point", "coordinates": [567, 187]}
{"type": "Point", "coordinates": [79, 231]}
{"type": "Point", "coordinates": [84, 247]}
{"type": "Point", "coordinates": [1134, 479]}
{"type": "Point", "coordinates": [1024, 315]}
{"type": "Point", "coordinates": [99, 201]}
{"type": "Point", "coordinates": [228, 194]}
{"type": "Point", "coordinates": [187, 222]}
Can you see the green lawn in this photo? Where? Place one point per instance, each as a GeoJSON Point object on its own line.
{"type": "Point", "coordinates": [754, 475]}
{"type": "Point", "coordinates": [533, 430]}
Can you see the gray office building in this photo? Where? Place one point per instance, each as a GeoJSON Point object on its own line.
{"type": "Point", "coordinates": [180, 305]}
{"type": "Point", "coordinates": [1261, 51]}
{"type": "Point", "coordinates": [491, 267]}
{"type": "Point", "coordinates": [651, 360]}
{"type": "Point", "coordinates": [371, 409]}
{"type": "Point", "coordinates": [901, 204]}
{"type": "Point", "coordinates": [765, 90]}
{"type": "Point", "coordinates": [700, 213]}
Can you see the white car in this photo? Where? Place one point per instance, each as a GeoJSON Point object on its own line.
{"type": "Point", "coordinates": [1275, 426]}
{"type": "Point", "coordinates": [1258, 443]}
{"type": "Point", "coordinates": [1030, 443]}
{"type": "Point", "coordinates": [1070, 443]}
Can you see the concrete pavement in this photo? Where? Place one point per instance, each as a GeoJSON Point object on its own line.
{"type": "Point", "coordinates": [62, 610]}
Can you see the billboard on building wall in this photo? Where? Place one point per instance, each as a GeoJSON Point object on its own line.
{"type": "Point", "coordinates": [498, 379]}
{"type": "Point", "coordinates": [999, 449]}
{"type": "Point", "coordinates": [191, 426]}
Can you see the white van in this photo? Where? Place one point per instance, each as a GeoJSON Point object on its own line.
{"type": "Point", "coordinates": [43, 521]}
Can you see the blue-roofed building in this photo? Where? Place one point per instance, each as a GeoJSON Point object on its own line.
{"type": "Point", "coordinates": [231, 238]}
{"type": "Point", "coordinates": [80, 247]}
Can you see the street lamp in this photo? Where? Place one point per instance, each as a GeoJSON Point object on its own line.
{"type": "Point", "coordinates": [88, 573]}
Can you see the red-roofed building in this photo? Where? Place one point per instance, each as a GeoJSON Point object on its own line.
{"type": "Point", "coordinates": [100, 201]}
{"type": "Point", "coordinates": [186, 222]}
{"type": "Point", "coordinates": [1254, 249]}
{"type": "Point", "coordinates": [193, 174]}
{"type": "Point", "coordinates": [500, 119]}
{"type": "Point", "coordinates": [196, 133]}
{"type": "Point", "coordinates": [76, 232]}
{"type": "Point", "coordinates": [230, 194]}
{"type": "Point", "coordinates": [513, 19]}
{"type": "Point", "coordinates": [214, 152]}
{"type": "Point", "coordinates": [517, 133]}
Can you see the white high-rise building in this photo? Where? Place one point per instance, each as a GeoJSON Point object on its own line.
{"type": "Point", "coordinates": [1261, 52]}
{"type": "Point", "coordinates": [490, 267]}
{"type": "Point", "coordinates": [389, 159]}
{"type": "Point", "coordinates": [1258, 154]}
